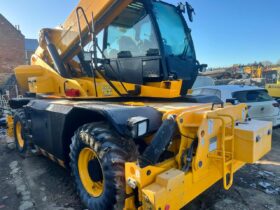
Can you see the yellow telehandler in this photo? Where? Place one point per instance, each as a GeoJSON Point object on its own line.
{"type": "Point", "coordinates": [118, 114]}
{"type": "Point", "coordinates": [272, 79]}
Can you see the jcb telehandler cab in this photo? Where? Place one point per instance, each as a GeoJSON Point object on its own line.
{"type": "Point", "coordinates": [120, 116]}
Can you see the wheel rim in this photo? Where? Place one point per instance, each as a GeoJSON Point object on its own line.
{"type": "Point", "coordinates": [20, 140]}
{"type": "Point", "coordinates": [91, 173]}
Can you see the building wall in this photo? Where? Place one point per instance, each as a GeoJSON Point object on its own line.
{"type": "Point", "coordinates": [28, 55]}
{"type": "Point", "coordinates": [11, 47]}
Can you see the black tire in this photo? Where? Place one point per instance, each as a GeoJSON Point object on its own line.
{"type": "Point", "coordinates": [21, 134]}
{"type": "Point", "coordinates": [112, 151]}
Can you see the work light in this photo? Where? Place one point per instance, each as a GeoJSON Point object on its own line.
{"type": "Point", "coordinates": [138, 126]}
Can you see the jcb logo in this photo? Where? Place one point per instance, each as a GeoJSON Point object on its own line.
{"type": "Point", "coordinates": [107, 90]}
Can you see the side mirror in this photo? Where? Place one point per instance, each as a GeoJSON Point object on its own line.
{"type": "Point", "coordinates": [87, 56]}
{"type": "Point", "coordinates": [233, 101]}
{"type": "Point", "coordinates": [190, 11]}
{"type": "Point", "coordinates": [203, 67]}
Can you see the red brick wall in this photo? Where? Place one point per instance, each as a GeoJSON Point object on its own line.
{"type": "Point", "coordinates": [11, 47]}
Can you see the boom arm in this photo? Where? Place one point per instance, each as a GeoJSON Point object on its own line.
{"type": "Point", "coordinates": [66, 38]}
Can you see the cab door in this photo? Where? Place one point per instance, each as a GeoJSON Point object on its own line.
{"type": "Point", "coordinates": [131, 45]}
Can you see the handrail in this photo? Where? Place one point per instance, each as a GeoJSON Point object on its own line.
{"type": "Point", "coordinates": [227, 185]}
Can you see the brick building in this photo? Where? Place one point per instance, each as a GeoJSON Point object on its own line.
{"type": "Point", "coordinates": [11, 48]}
{"type": "Point", "coordinates": [15, 50]}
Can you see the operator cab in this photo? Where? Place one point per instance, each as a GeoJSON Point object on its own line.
{"type": "Point", "coordinates": [150, 42]}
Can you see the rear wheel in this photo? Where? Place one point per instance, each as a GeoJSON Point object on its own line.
{"type": "Point", "coordinates": [97, 158]}
{"type": "Point", "coordinates": [20, 131]}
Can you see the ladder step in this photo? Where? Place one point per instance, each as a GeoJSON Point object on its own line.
{"type": "Point", "coordinates": [219, 152]}
{"type": "Point", "coordinates": [229, 138]}
{"type": "Point", "coordinates": [220, 157]}
{"type": "Point", "coordinates": [227, 156]}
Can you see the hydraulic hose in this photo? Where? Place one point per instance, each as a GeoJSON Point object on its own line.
{"type": "Point", "coordinates": [159, 144]}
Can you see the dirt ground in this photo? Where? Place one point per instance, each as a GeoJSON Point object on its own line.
{"type": "Point", "coordinates": [37, 183]}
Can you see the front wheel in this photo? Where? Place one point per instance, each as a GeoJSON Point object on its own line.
{"type": "Point", "coordinates": [97, 158]}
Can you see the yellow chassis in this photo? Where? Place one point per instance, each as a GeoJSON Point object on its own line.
{"type": "Point", "coordinates": [222, 147]}
{"type": "Point", "coordinates": [166, 186]}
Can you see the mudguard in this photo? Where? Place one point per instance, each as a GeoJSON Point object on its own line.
{"type": "Point", "coordinates": [53, 122]}
{"type": "Point", "coordinates": [118, 115]}
{"type": "Point", "coordinates": [17, 103]}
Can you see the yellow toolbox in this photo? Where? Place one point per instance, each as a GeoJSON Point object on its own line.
{"type": "Point", "coordinates": [252, 140]}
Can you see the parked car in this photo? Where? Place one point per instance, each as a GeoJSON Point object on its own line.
{"type": "Point", "coordinates": [202, 81]}
{"type": "Point", "coordinates": [261, 106]}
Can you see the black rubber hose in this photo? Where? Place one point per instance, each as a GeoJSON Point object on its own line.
{"type": "Point", "coordinates": [159, 143]}
{"type": "Point", "coordinates": [189, 152]}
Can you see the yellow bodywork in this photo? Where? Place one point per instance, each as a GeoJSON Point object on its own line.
{"type": "Point", "coordinates": [225, 141]}
{"type": "Point", "coordinates": [223, 148]}
{"type": "Point", "coordinates": [273, 90]}
{"type": "Point", "coordinates": [40, 78]}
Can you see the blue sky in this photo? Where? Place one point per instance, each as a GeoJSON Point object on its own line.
{"type": "Point", "coordinates": [225, 32]}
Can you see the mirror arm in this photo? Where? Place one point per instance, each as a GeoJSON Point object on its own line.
{"type": "Point", "coordinates": [181, 7]}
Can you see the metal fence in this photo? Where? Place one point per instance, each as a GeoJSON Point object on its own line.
{"type": "Point", "coordinates": [6, 93]}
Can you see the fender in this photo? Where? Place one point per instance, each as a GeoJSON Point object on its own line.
{"type": "Point", "coordinates": [53, 122]}
{"type": "Point", "coordinates": [17, 103]}
{"type": "Point", "coordinates": [118, 115]}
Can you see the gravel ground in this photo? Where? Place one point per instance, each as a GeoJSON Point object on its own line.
{"type": "Point", "coordinates": [37, 183]}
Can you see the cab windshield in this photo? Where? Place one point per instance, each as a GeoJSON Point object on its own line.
{"type": "Point", "coordinates": [132, 34]}
{"type": "Point", "coordinates": [271, 77]}
{"type": "Point", "coordinates": [175, 39]}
